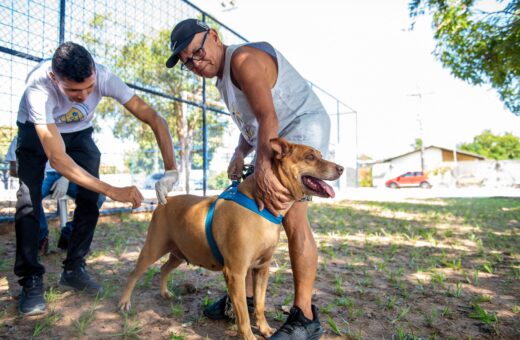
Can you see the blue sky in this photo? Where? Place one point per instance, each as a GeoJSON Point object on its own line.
{"type": "Point", "coordinates": [363, 53]}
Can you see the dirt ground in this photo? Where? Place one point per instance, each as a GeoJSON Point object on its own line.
{"type": "Point", "coordinates": [410, 271]}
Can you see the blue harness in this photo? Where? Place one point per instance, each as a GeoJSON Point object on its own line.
{"type": "Point", "coordinates": [232, 194]}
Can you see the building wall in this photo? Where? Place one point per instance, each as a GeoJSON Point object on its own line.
{"type": "Point", "coordinates": [433, 158]}
{"type": "Point", "coordinates": [447, 156]}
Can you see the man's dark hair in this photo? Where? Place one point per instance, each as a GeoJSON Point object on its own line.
{"type": "Point", "coordinates": [72, 61]}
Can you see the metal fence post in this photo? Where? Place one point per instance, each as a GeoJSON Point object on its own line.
{"type": "Point", "coordinates": [62, 22]}
{"type": "Point", "coordinates": [204, 134]}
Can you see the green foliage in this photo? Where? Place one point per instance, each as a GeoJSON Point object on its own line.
{"type": "Point", "coordinates": [365, 177]}
{"type": "Point", "coordinates": [478, 45]}
{"type": "Point", "coordinates": [493, 146]}
{"type": "Point", "coordinates": [140, 61]}
{"type": "Point", "coordinates": [417, 144]}
{"type": "Point", "coordinates": [7, 134]}
{"type": "Point", "coordinates": [219, 181]}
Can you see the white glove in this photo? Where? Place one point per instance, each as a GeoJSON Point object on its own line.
{"type": "Point", "coordinates": [165, 185]}
{"type": "Point", "coordinates": [60, 187]}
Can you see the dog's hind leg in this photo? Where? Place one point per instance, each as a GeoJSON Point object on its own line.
{"type": "Point", "coordinates": [149, 254]}
{"type": "Point", "coordinates": [236, 283]}
{"type": "Point", "coordinates": [172, 263]}
{"type": "Point", "coordinates": [260, 281]}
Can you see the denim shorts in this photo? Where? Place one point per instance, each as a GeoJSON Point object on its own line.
{"type": "Point", "coordinates": [311, 129]}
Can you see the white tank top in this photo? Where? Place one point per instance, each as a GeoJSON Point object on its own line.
{"type": "Point", "coordinates": [292, 95]}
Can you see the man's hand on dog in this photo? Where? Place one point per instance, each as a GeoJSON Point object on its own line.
{"type": "Point", "coordinates": [269, 192]}
{"type": "Point", "coordinates": [235, 167]}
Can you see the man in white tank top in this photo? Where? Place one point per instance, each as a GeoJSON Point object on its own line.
{"type": "Point", "coordinates": [267, 98]}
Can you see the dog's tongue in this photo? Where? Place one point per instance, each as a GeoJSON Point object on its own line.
{"type": "Point", "coordinates": [320, 186]}
{"type": "Point", "coordinates": [327, 188]}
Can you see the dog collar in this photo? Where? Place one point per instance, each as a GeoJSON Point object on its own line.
{"type": "Point", "coordinates": [232, 194]}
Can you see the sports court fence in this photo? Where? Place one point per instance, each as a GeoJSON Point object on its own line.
{"type": "Point", "coordinates": [132, 39]}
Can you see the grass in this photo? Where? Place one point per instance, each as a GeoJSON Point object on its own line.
{"type": "Point", "coordinates": [52, 295]}
{"type": "Point", "coordinates": [131, 327]}
{"type": "Point", "coordinates": [46, 323]}
{"type": "Point", "coordinates": [334, 326]}
{"type": "Point", "coordinates": [479, 313]}
{"type": "Point", "coordinates": [175, 336]}
{"type": "Point", "coordinates": [422, 269]}
{"type": "Point", "coordinates": [422, 250]}
{"type": "Point", "coordinates": [86, 319]}
{"type": "Point", "coordinates": [148, 276]}
{"type": "Point", "coordinates": [176, 310]}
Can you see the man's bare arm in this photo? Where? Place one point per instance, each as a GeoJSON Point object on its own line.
{"type": "Point", "coordinates": [148, 115]}
{"type": "Point", "coordinates": [61, 162]}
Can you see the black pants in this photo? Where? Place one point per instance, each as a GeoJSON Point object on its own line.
{"type": "Point", "coordinates": [31, 165]}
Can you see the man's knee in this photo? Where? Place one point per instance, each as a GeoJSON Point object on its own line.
{"type": "Point", "coordinates": [295, 220]}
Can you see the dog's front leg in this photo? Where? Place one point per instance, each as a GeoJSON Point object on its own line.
{"type": "Point", "coordinates": [260, 281]}
{"type": "Point", "coordinates": [236, 283]}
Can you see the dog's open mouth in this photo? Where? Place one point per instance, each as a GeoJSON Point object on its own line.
{"type": "Point", "coordinates": [318, 186]}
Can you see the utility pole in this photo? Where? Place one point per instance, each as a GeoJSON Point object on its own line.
{"type": "Point", "coordinates": [419, 120]}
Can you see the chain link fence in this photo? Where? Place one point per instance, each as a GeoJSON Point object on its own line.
{"type": "Point", "coordinates": [132, 39]}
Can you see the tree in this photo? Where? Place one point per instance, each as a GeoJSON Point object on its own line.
{"type": "Point", "coordinates": [478, 45]}
{"type": "Point", "coordinates": [417, 144]}
{"type": "Point", "coordinates": [493, 146]}
{"type": "Point", "coordinates": [140, 61]}
{"type": "Point", "coordinates": [7, 133]}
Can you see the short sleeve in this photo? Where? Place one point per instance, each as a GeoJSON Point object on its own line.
{"type": "Point", "coordinates": [39, 104]}
{"type": "Point", "coordinates": [114, 87]}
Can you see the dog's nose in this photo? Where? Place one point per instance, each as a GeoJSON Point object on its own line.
{"type": "Point", "coordinates": [339, 168]}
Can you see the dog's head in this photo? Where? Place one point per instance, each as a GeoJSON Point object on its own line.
{"type": "Point", "coordinates": [301, 169]}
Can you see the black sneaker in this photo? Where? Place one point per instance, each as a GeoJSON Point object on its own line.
{"type": "Point", "coordinates": [32, 301]}
{"type": "Point", "coordinates": [80, 280]}
{"type": "Point", "coordinates": [223, 309]}
{"type": "Point", "coordinates": [299, 327]}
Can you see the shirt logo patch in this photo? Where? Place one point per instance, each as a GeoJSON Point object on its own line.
{"type": "Point", "coordinates": [74, 115]}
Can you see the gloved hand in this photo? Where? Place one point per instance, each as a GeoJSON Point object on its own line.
{"type": "Point", "coordinates": [165, 185]}
{"type": "Point", "coordinates": [60, 187]}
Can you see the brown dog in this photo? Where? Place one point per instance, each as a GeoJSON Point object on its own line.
{"type": "Point", "coordinates": [245, 239]}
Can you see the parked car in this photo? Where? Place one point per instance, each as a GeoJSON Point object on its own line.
{"type": "Point", "coordinates": [468, 180]}
{"type": "Point", "coordinates": [409, 179]}
{"type": "Point", "coordinates": [149, 182]}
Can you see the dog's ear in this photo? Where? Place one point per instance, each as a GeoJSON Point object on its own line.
{"type": "Point", "coordinates": [281, 147]}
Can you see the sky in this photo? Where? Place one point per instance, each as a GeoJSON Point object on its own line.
{"type": "Point", "coordinates": [363, 53]}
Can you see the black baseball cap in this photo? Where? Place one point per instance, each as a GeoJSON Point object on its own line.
{"type": "Point", "coordinates": [181, 37]}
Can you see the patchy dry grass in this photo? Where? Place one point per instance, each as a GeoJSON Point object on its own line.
{"type": "Point", "coordinates": [422, 269]}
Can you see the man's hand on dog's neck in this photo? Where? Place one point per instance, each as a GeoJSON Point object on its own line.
{"type": "Point", "coordinates": [269, 192]}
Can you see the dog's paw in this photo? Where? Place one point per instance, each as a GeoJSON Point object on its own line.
{"type": "Point", "coordinates": [250, 336]}
{"type": "Point", "coordinates": [267, 331]}
{"type": "Point", "coordinates": [124, 306]}
{"type": "Point", "coordinates": [166, 294]}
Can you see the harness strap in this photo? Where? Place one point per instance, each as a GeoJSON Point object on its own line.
{"type": "Point", "coordinates": [232, 194]}
{"type": "Point", "coordinates": [209, 233]}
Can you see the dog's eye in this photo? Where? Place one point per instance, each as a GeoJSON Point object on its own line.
{"type": "Point", "coordinates": [310, 157]}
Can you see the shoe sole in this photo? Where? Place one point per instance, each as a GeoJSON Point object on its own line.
{"type": "Point", "coordinates": [33, 312]}
{"type": "Point", "coordinates": [86, 291]}
{"type": "Point", "coordinates": [317, 335]}
{"type": "Point", "coordinates": [224, 317]}
{"type": "Point", "coordinates": [218, 318]}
